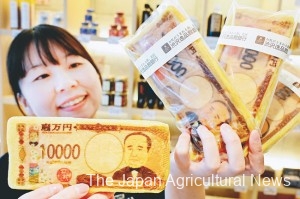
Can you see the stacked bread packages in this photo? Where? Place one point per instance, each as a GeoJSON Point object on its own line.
{"type": "Point", "coordinates": [173, 57]}
{"type": "Point", "coordinates": [284, 112]}
{"type": "Point", "coordinates": [235, 85]}
{"type": "Point", "coordinates": [252, 47]}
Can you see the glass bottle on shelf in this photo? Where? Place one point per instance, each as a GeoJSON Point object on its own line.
{"type": "Point", "coordinates": [113, 31]}
{"type": "Point", "coordinates": [146, 12]}
{"type": "Point", "coordinates": [43, 17]}
{"type": "Point", "coordinates": [107, 99]}
{"type": "Point", "coordinates": [108, 84]}
{"type": "Point", "coordinates": [120, 19]}
{"type": "Point", "coordinates": [120, 99]}
{"type": "Point", "coordinates": [89, 15]}
{"type": "Point", "coordinates": [160, 104]}
{"type": "Point", "coordinates": [150, 97]}
{"type": "Point", "coordinates": [14, 14]}
{"type": "Point", "coordinates": [121, 84]}
{"type": "Point", "coordinates": [214, 24]}
{"type": "Point", "coordinates": [123, 32]}
{"type": "Point", "coordinates": [94, 29]}
{"type": "Point", "coordinates": [58, 19]}
{"type": "Point", "coordinates": [141, 92]}
{"type": "Point", "coordinates": [25, 14]}
{"type": "Point", "coordinates": [84, 29]}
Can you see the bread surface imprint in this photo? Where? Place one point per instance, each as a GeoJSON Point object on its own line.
{"type": "Point", "coordinates": [108, 155]}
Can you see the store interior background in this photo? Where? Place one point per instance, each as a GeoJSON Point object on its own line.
{"type": "Point", "coordinates": [285, 154]}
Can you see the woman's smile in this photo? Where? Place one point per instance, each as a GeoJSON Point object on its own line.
{"type": "Point", "coordinates": [74, 103]}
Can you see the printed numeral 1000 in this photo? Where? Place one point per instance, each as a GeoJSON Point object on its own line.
{"type": "Point", "coordinates": [59, 151]}
{"type": "Point", "coordinates": [248, 59]}
{"type": "Point", "coordinates": [284, 93]}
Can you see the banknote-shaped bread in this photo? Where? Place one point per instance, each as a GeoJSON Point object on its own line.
{"type": "Point", "coordinates": [284, 111]}
{"type": "Point", "coordinates": [251, 48]}
{"type": "Point", "coordinates": [108, 155]}
{"type": "Point", "coordinates": [175, 60]}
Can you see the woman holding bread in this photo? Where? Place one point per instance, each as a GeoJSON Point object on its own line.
{"type": "Point", "coordinates": [51, 74]}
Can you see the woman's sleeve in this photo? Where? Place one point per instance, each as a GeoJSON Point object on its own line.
{"type": "Point", "coordinates": [5, 189]}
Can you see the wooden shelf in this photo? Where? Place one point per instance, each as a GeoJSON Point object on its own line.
{"type": "Point", "coordinates": [9, 99]}
{"type": "Point", "coordinates": [10, 32]}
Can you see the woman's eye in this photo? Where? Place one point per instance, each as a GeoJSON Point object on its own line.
{"type": "Point", "coordinates": [43, 76]}
{"type": "Point", "coordinates": [75, 65]}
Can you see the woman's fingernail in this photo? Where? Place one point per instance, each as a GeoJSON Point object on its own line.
{"type": "Point", "coordinates": [202, 128]}
{"type": "Point", "coordinates": [226, 127]}
{"type": "Point", "coordinates": [82, 188]}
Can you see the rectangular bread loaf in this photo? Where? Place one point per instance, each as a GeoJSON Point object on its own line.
{"type": "Point", "coordinates": [251, 48]}
{"type": "Point", "coordinates": [108, 155]}
{"type": "Point", "coordinates": [284, 112]}
{"type": "Point", "coordinates": [176, 62]}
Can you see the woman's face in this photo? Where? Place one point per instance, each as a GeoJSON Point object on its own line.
{"type": "Point", "coordinates": [71, 88]}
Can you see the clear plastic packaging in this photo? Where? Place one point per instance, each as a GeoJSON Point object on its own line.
{"type": "Point", "coordinates": [172, 56]}
{"type": "Point", "coordinates": [251, 48]}
{"type": "Point", "coordinates": [284, 112]}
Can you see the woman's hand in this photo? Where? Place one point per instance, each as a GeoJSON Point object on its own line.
{"type": "Point", "coordinates": [56, 191]}
{"type": "Point", "coordinates": [213, 164]}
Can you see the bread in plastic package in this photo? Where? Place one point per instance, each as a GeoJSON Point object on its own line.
{"type": "Point", "coordinates": [173, 57]}
{"type": "Point", "coordinates": [251, 48]}
{"type": "Point", "coordinates": [284, 111]}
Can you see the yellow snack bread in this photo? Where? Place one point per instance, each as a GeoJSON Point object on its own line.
{"type": "Point", "coordinates": [176, 62]}
{"type": "Point", "coordinates": [108, 155]}
{"type": "Point", "coordinates": [251, 48]}
{"type": "Point", "coordinates": [284, 112]}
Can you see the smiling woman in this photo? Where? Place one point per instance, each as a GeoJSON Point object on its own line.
{"type": "Point", "coordinates": [49, 58]}
{"type": "Point", "coordinates": [68, 90]}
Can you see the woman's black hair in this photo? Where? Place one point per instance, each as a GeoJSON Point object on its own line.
{"type": "Point", "coordinates": [42, 37]}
